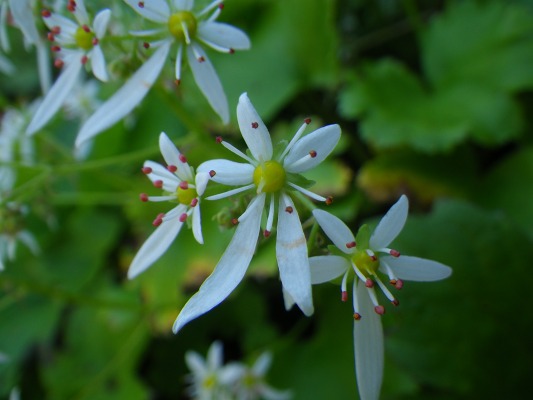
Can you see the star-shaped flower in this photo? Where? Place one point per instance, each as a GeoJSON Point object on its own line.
{"type": "Point", "coordinates": [272, 178]}
{"type": "Point", "coordinates": [181, 186]}
{"type": "Point", "coordinates": [365, 256]}
{"type": "Point", "coordinates": [76, 43]}
{"type": "Point", "coordinates": [177, 23]}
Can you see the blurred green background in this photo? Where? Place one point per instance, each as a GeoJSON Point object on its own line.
{"type": "Point", "coordinates": [435, 100]}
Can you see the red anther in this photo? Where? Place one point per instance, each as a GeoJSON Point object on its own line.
{"type": "Point", "coordinates": [194, 202]}
{"type": "Point", "coordinates": [86, 28]}
{"type": "Point", "coordinates": [231, 51]}
{"type": "Point", "coordinates": [212, 173]}
{"type": "Point", "coordinates": [394, 253]}
{"type": "Point", "coordinates": [95, 42]}
{"type": "Point", "coordinates": [357, 316]}
{"type": "Point", "coordinates": [56, 30]}
{"type": "Point", "coordinates": [177, 82]}
{"type": "Point", "coordinates": [146, 45]}
{"type": "Point", "coordinates": [158, 220]}
{"type": "Point", "coordinates": [289, 209]}
{"type": "Point", "coordinates": [221, 6]}
{"type": "Point", "coordinates": [266, 233]}
{"type": "Point", "coordinates": [143, 197]}
{"type": "Point", "coordinates": [46, 13]}
{"type": "Point", "coordinates": [146, 170]}
{"type": "Point", "coordinates": [172, 168]}
{"type": "Point", "coordinates": [369, 283]}
{"type": "Point", "coordinates": [201, 59]}
{"type": "Point", "coordinates": [183, 217]}
{"type": "Point", "coordinates": [219, 139]}
{"type": "Point", "coordinates": [373, 257]}
{"type": "Point", "coordinates": [141, 4]}
{"type": "Point", "coordinates": [379, 310]}
{"type": "Point", "coordinates": [158, 184]}
{"type": "Point", "coordinates": [329, 200]}
{"type": "Point", "coordinates": [255, 125]}
{"type": "Point", "coordinates": [184, 185]}
{"type": "Point", "coordinates": [55, 48]}
{"type": "Point", "coordinates": [312, 153]}
{"type": "Point", "coordinates": [50, 36]}
{"type": "Point", "coordinates": [344, 295]}
{"type": "Point", "coordinates": [182, 158]}
{"type": "Point", "coordinates": [234, 221]}
{"type": "Point", "coordinates": [84, 59]}
{"type": "Point", "coordinates": [395, 302]}
{"type": "Point", "coordinates": [350, 245]}
{"type": "Point", "coordinates": [71, 7]}
{"type": "Point", "coordinates": [399, 284]}
{"type": "Point", "coordinates": [307, 121]}
{"type": "Point", "coordinates": [58, 63]}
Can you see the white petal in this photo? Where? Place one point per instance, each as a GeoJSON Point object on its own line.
{"type": "Point", "coordinates": [183, 5]}
{"type": "Point", "coordinates": [288, 301]}
{"type": "Point", "coordinates": [207, 80]}
{"type": "Point", "coordinates": [323, 141]}
{"type": "Point", "coordinates": [6, 66]}
{"type": "Point", "coordinates": [201, 181]}
{"type": "Point", "coordinates": [336, 230]}
{"type": "Point", "coordinates": [43, 63]}
{"type": "Point", "coordinates": [160, 173]}
{"type": "Point", "coordinates": [154, 247]}
{"type": "Point", "coordinates": [98, 64]}
{"type": "Point", "coordinates": [153, 10]}
{"type": "Point", "coordinates": [100, 22]}
{"type": "Point", "coordinates": [291, 253]}
{"type": "Point", "coordinates": [269, 393]}
{"type": "Point", "coordinates": [229, 172]}
{"type": "Point", "coordinates": [257, 139]}
{"type": "Point", "coordinates": [80, 13]}
{"type": "Point", "coordinates": [223, 35]}
{"type": "Point", "coordinates": [327, 268]}
{"type": "Point", "coordinates": [29, 240]}
{"type": "Point", "coordinates": [230, 269]}
{"type": "Point", "coordinates": [126, 98]}
{"type": "Point", "coordinates": [215, 356]}
{"type": "Point", "coordinates": [417, 269]}
{"type": "Point", "coordinates": [170, 152]}
{"type": "Point", "coordinates": [68, 27]}
{"type": "Point", "coordinates": [391, 224]}
{"type": "Point", "coordinates": [196, 363]}
{"type": "Point", "coordinates": [197, 224]}
{"type": "Point", "coordinates": [22, 13]}
{"type": "Point", "coordinates": [368, 347]}
{"type": "Point", "coordinates": [4, 40]}
{"type": "Point", "coordinates": [55, 97]}
{"type": "Point", "coordinates": [262, 364]}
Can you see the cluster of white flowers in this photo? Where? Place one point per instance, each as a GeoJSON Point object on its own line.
{"type": "Point", "coordinates": [211, 379]}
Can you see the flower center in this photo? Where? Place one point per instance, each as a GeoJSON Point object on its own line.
{"type": "Point", "coordinates": [269, 177]}
{"type": "Point", "coordinates": [186, 196]}
{"type": "Point", "coordinates": [367, 265]}
{"type": "Point", "coordinates": [209, 381]}
{"type": "Point", "coordinates": [83, 38]}
{"type": "Point", "coordinates": [182, 25]}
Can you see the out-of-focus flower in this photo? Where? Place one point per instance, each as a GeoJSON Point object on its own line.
{"type": "Point", "coordinates": [177, 22]}
{"type": "Point", "coordinates": [271, 177]}
{"type": "Point", "coordinates": [364, 256]}
{"type": "Point", "coordinates": [76, 43]}
{"type": "Point", "coordinates": [181, 186]}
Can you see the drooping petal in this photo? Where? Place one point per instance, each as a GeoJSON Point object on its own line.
{"type": "Point", "coordinates": [417, 269]}
{"type": "Point", "coordinates": [55, 97]}
{"type": "Point", "coordinates": [154, 247]}
{"type": "Point", "coordinates": [22, 13]}
{"type": "Point", "coordinates": [207, 80]}
{"type": "Point", "coordinates": [223, 35]}
{"type": "Point", "coordinates": [291, 253]}
{"type": "Point", "coordinates": [230, 269]}
{"type": "Point", "coordinates": [197, 224]}
{"type": "Point", "coordinates": [391, 224]}
{"type": "Point", "coordinates": [253, 130]}
{"type": "Point", "coordinates": [229, 172]}
{"type": "Point", "coordinates": [336, 230]}
{"type": "Point", "coordinates": [322, 141]}
{"type": "Point", "coordinates": [327, 268]}
{"type": "Point", "coordinates": [368, 347]}
{"type": "Point", "coordinates": [100, 22]}
{"type": "Point", "coordinates": [126, 98]}
{"type": "Point", "coordinates": [98, 64]}
{"type": "Point", "coordinates": [153, 10]}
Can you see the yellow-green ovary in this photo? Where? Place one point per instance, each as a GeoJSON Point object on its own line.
{"type": "Point", "coordinates": [177, 21]}
{"type": "Point", "coordinates": [84, 39]}
{"type": "Point", "coordinates": [270, 176]}
{"type": "Point", "coordinates": [366, 264]}
{"type": "Point", "coordinates": [186, 196]}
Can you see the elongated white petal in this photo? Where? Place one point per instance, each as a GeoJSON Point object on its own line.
{"type": "Point", "coordinates": [368, 347]}
{"type": "Point", "coordinates": [230, 269]}
{"type": "Point", "coordinates": [67, 27]}
{"type": "Point", "coordinates": [262, 364]}
{"type": "Point", "coordinates": [80, 13]}
{"type": "Point", "coordinates": [43, 63]}
{"type": "Point", "coordinates": [196, 363]}
{"type": "Point", "coordinates": [6, 66]}
{"type": "Point", "coordinates": [322, 141]}
{"type": "Point", "coordinates": [170, 152]}
{"type": "Point", "coordinates": [29, 240]}
{"type": "Point", "coordinates": [153, 10]}
{"type": "Point", "coordinates": [391, 224]}
{"type": "Point", "coordinates": [98, 64]}
{"type": "Point", "coordinates": [55, 97]}
{"type": "Point", "coordinates": [291, 253]}
{"type": "Point", "coordinates": [154, 247]}
{"type": "Point", "coordinates": [417, 269]}
{"type": "Point", "coordinates": [100, 22]}
{"type": "Point", "coordinates": [327, 268]}
{"type": "Point", "coordinates": [197, 224]}
{"type": "Point", "coordinates": [229, 172]}
{"type": "Point", "coordinates": [223, 35]}
{"type": "Point", "coordinates": [126, 98]}
{"type": "Point", "coordinates": [160, 173]}
{"type": "Point", "coordinates": [201, 180]}
{"type": "Point", "coordinates": [215, 356]}
{"type": "Point", "coordinates": [22, 13]}
{"type": "Point", "coordinates": [183, 5]}
{"type": "Point", "coordinates": [288, 301]}
{"type": "Point", "coordinates": [268, 393]}
{"type": "Point", "coordinates": [336, 230]}
{"type": "Point", "coordinates": [4, 40]}
{"type": "Point", "coordinates": [207, 80]}
{"type": "Point", "coordinates": [253, 130]}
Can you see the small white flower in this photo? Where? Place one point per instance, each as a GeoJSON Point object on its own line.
{"type": "Point", "coordinates": [177, 22]}
{"type": "Point", "coordinates": [271, 177]}
{"type": "Point", "coordinates": [181, 186]}
{"type": "Point", "coordinates": [76, 43]}
{"type": "Point", "coordinates": [363, 257]}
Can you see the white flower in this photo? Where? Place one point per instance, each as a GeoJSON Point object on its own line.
{"type": "Point", "coordinates": [271, 177]}
{"type": "Point", "coordinates": [181, 186]}
{"type": "Point", "coordinates": [77, 42]}
{"type": "Point", "coordinates": [178, 23]}
{"type": "Point", "coordinates": [363, 261]}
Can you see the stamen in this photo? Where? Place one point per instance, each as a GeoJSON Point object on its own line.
{"type": "Point", "coordinates": [178, 64]}
{"type": "Point", "coordinates": [50, 36]}
{"type": "Point", "coordinates": [359, 274]}
{"type": "Point", "coordinates": [55, 48]}
{"type": "Point", "coordinates": [158, 220]}
{"type": "Point", "coordinates": [182, 158]}
{"type": "Point", "coordinates": [231, 51]}
{"type": "Point", "coordinates": [172, 168]}
{"type": "Point", "coordinates": [46, 13]}
{"type": "Point", "coordinates": [183, 217]}
{"type": "Point", "coordinates": [295, 138]}
{"type": "Point", "coordinates": [355, 302]}
{"type": "Point", "coordinates": [371, 254]}
{"type": "Point", "coordinates": [255, 125]}
{"type": "Point", "coordinates": [158, 184]}
{"type": "Point", "coordinates": [302, 160]}
{"type": "Point", "coordinates": [184, 185]}
{"type": "Point", "coordinates": [186, 33]}
{"type": "Point", "coordinates": [379, 310]}
{"type": "Point", "coordinates": [86, 28]}
{"type": "Point", "coordinates": [212, 173]}
{"type": "Point", "coordinates": [141, 4]}
{"type": "Point", "coordinates": [399, 284]}
{"type": "Point", "coordinates": [344, 296]}
{"type": "Point", "coordinates": [214, 4]}
{"type": "Point", "coordinates": [84, 59]}
{"type": "Point", "coordinates": [146, 45]}
{"type": "Point", "coordinates": [357, 316]}
{"type": "Point", "coordinates": [58, 63]}
{"type": "Point", "coordinates": [56, 30]}
{"type": "Point", "coordinates": [395, 302]}
{"type": "Point", "coordinates": [344, 292]}
{"type": "Point", "coordinates": [95, 42]}
{"type": "Point", "coordinates": [143, 197]}
{"type": "Point", "coordinates": [162, 198]}
{"type": "Point", "coordinates": [234, 221]}
{"type": "Point", "coordinates": [312, 153]}
{"type": "Point", "coordinates": [71, 7]}
{"type": "Point", "coordinates": [329, 200]}
{"type": "Point", "coordinates": [384, 289]}
{"type": "Point", "coordinates": [394, 253]}
{"type": "Point", "coordinates": [307, 192]}
{"type": "Point", "coordinates": [219, 139]}
{"type": "Point", "coordinates": [236, 151]}
{"type": "Point", "coordinates": [230, 192]}
{"type": "Point", "coordinates": [194, 202]}
{"type": "Point", "coordinates": [350, 245]}
{"type": "Point", "coordinates": [369, 283]}
{"type": "Point", "coordinates": [270, 217]}
{"type": "Point", "coordinates": [289, 209]}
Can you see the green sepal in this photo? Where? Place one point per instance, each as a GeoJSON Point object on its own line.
{"type": "Point", "coordinates": [299, 180]}
{"type": "Point", "coordinates": [363, 237]}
